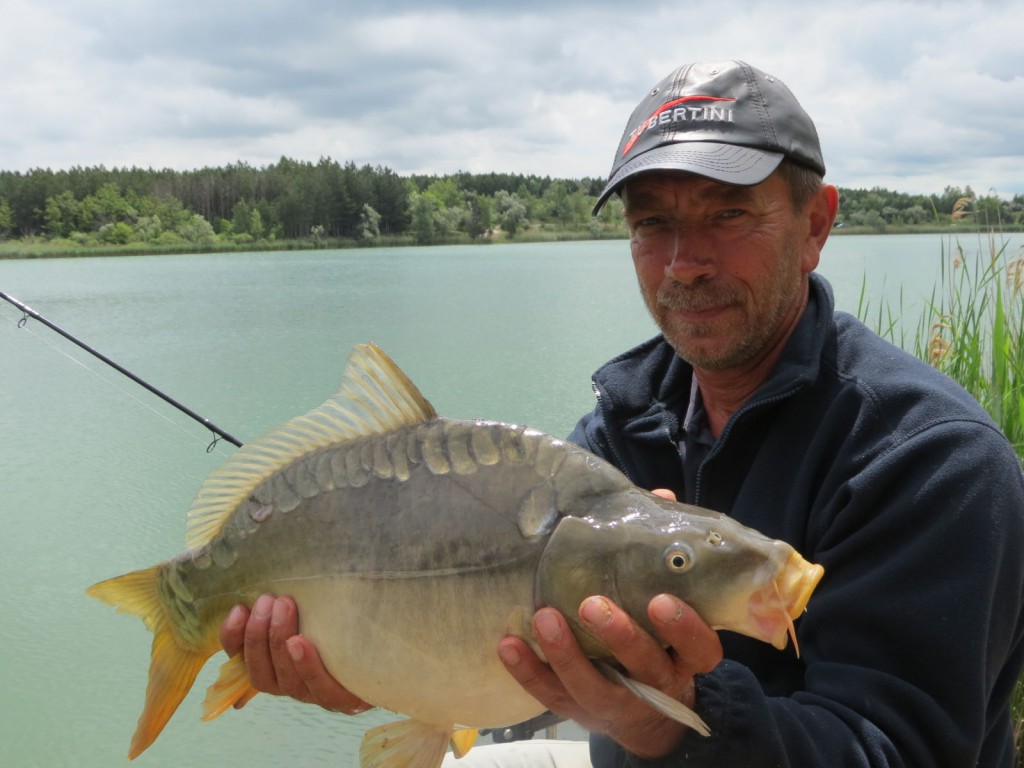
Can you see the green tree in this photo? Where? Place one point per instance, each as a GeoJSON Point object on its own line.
{"type": "Point", "coordinates": [369, 224]}
{"type": "Point", "coordinates": [148, 229]}
{"type": "Point", "coordinates": [511, 211]}
{"type": "Point", "coordinates": [107, 206]}
{"type": "Point", "coordinates": [947, 201]}
{"type": "Point", "coordinates": [116, 233]}
{"type": "Point", "coordinates": [391, 200]}
{"type": "Point", "coordinates": [241, 217]}
{"type": "Point", "coordinates": [198, 231]}
{"type": "Point", "coordinates": [63, 215]}
{"type": "Point", "coordinates": [558, 205]}
{"type": "Point", "coordinates": [6, 218]}
{"type": "Point", "coordinates": [256, 228]}
{"type": "Point", "coordinates": [991, 211]}
{"type": "Point", "coordinates": [874, 220]}
{"type": "Point", "coordinates": [446, 192]}
{"type": "Point", "coordinates": [916, 214]}
{"type": "Point", "coordinates": [478, 215]}
{"type": "Point", "coordinates": [422, 209]}
{"type": "Point", "coordinates": [448, 221]}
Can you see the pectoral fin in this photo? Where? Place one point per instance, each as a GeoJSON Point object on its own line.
{"type": "Point", "coordinates": [404, 744]}
{"type": "Point", "coordinates": [231, 688]}
{"type": "Point", "coordinates": [661, 701]}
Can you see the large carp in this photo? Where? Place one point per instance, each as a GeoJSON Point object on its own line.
{"type": "Point", "coordinates": [413, 543]}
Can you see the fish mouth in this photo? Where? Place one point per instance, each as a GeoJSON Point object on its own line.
{"type": "Point", "coordinates": [774, 609]}
{"type": "Point", "coordinates": [796, 583]}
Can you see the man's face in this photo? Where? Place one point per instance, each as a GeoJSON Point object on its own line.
{"type": "Point", "coordinates": [723, 269]}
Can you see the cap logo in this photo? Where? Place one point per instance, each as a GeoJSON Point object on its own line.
{"type": "Point", "coordinates": [673, 112]}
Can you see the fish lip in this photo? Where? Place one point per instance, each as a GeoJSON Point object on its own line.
{"type": "Point", "coordinates": [797, 583]}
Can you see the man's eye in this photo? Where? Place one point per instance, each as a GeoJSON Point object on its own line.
{"type": "Point", "coordinates": [731, 213]}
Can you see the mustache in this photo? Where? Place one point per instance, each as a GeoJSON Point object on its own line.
{"type": "Point", "coordinates": [695, 298]}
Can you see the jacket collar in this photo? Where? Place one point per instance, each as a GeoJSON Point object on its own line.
{"type": "Point", "coordinates": [648, 387]}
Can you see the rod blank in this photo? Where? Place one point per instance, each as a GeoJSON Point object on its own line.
{"type": "Point", "coordinates": [29, 312]}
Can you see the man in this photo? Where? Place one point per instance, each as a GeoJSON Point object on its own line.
{"type": "Point", "coordinates": [759, 401]}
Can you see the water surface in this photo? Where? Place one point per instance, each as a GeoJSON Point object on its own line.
{"type": "Point", "coordinates": [96, 473]}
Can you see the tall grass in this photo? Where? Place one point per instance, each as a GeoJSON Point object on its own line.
{"type": "Point", "coordinates": [972, 329]}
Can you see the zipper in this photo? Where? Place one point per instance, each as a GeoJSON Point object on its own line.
{"type": "Point", "coordinates": [730, 425]}
{"type": "Point", "coordinates": [612, 449]}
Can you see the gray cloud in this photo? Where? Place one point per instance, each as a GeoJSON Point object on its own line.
{"type": "Point", "coordinates": [909, 95]}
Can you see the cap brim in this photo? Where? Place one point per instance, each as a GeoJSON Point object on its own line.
{"type": "Point", "coordinates": [727, 163]}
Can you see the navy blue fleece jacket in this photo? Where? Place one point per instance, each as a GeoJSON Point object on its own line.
{"type": "Point", "coordinates": [888, 474]}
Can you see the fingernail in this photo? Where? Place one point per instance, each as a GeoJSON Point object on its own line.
{"type": "Point", "coordinates": [280, 612]}
{"type": "Point", "coordinates": [236, 619]}
{"type": "Point", "coordinates": [509, 655]}
{"type": "Point", "coordinates": [295, 649]}
{"type": "Point", "coordinates": [596, 612]}
{"type": "Point", "coordinates": [666, 609]}
{"type": "Point", "coordinates": [547, 626]}
{"type": "Point", "coordinates": [262, 607]}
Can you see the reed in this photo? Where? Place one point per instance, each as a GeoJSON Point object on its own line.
{"type": "Point", "coordinates": [974, 333]}
{"type": "Point", "coordinates": [972, 329]}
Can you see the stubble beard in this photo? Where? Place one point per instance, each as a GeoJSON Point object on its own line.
{"type": "Point", "coordinates": [745, 331]}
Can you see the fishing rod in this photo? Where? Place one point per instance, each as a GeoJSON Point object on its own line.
{"type": "Point", "coordinates": [28, 312]}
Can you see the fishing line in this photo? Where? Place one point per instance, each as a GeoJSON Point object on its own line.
{"type": "Point", "coordinates": [22, 324]}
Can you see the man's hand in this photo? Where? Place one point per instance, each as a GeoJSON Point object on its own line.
{"type": "Point", "coordinates": [279, 659]}
{"type": "Point", "coordinates": [571, 686]}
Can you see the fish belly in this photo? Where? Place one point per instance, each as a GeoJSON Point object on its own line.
{"type": "Point", "coordinates": [424, 647]}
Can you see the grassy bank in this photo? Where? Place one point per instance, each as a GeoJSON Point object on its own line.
{"type": "Point", "coordinates": [43, 248]}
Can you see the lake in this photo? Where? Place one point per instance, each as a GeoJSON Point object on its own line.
{"type": "Point", "coordinates": [97, 473]}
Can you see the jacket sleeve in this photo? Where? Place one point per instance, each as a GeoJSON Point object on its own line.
{"type": "Point", "coordinates": [913, 641]}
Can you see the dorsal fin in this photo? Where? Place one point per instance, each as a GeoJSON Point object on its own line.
{"type": "Point", "coordinates": [374, 397]}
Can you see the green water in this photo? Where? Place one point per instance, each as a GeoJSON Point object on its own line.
{"type": "Point", "coordinates": [96, 473]}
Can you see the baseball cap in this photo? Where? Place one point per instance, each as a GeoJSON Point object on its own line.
{"type": "Point", "coordinates": [724, 120]}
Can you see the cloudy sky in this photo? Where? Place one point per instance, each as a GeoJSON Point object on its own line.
{"type": "Point", "coordinates": [906, 95]}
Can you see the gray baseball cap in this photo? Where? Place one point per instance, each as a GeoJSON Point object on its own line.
{"type": "Point", "coordinates": [724, 120]}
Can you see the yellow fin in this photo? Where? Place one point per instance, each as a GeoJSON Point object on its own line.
{"type": "Point", "coordinates": [172, 667]}
{"type": "Point", "coordinates": [463, 740]}
{"type": "Point", "coordinates": [374, 397]}
{"type": "Point", "coordinates": [404, 744]}
{"type": "Point", "coordinates": [135, 594]}
{"type": "Point", "coordinates": [231, 687]}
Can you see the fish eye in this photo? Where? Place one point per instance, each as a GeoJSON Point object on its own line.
{"type": "Point", "coordinates": [678, 559]}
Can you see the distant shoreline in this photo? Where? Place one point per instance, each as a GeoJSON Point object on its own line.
{"type": "Point", "coordinates": [41, 248]}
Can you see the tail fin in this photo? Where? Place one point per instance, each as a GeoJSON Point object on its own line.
{"type": "Point", "coordinates": [172, 668]}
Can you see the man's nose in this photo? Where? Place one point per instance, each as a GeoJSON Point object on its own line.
{"type": "Point", "coordinates": [689, 262]}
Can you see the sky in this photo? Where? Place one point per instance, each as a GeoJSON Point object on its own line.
{"type": "Point", "coordinates": [909, 96]}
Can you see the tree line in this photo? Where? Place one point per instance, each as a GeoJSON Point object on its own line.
{"type": "Point", "coordinates": [333, 202]}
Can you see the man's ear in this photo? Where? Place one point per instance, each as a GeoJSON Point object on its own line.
{"type": "Point", "coordinates": [822, 209]}
{"type": "Point", "coordinates": [820, 212]}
